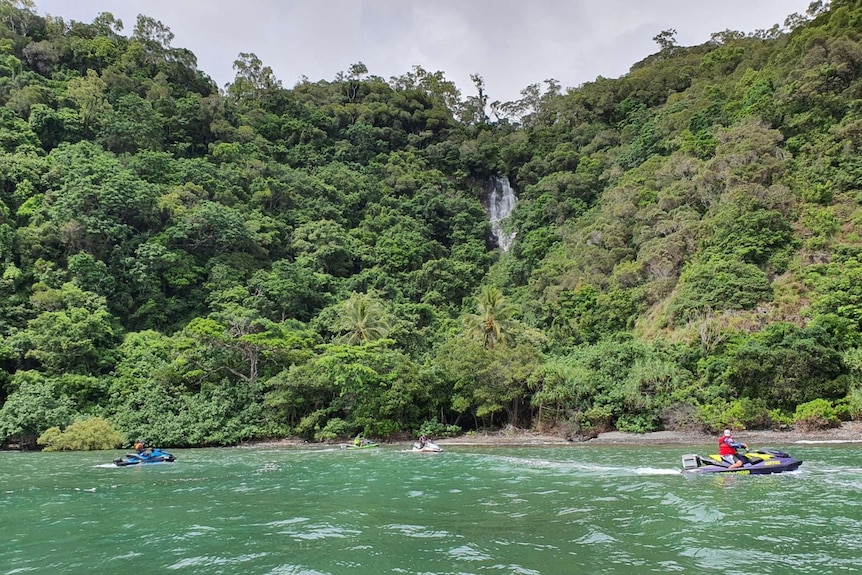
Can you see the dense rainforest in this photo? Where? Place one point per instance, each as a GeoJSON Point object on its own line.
{"type": "Point", "coordinates": [195, 265]}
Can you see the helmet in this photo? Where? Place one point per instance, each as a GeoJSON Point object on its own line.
{"type": "Point", "coordinates": [727, 432]}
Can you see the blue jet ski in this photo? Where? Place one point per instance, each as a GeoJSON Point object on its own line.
{"type": "Point", "coordinates": [757, 462]}
{"type": "Point", "coordinates": [155, 455]}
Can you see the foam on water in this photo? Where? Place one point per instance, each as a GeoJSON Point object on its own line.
{"type": "Point", "coordinates": [582, 467]}
{"type": "Point", "coordinates": [656, 471]}
{"type": "Point", "coordinates": [826, 441]}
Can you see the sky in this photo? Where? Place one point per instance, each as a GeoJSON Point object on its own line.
{"type": "Point", "coordinates": [510, 43]}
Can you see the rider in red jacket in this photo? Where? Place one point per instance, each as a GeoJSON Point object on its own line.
{"type": "Point", "coordinates": [727, 450]}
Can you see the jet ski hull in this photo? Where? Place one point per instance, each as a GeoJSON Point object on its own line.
{"type": "Point", "coordinates": [429, 447]}
{"type": "Point", "coordinates": [363, 446]}
{"type": "Point", "coordinates": [146, 458]}
{"type": "Point", "coordinates": [761, 462]}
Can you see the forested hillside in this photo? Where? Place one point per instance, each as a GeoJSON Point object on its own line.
{"type": "Point", "coordinates": [202, 266]}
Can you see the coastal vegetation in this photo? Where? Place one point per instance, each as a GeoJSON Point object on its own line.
{"type": "Point", "coordinates": [201, 265]}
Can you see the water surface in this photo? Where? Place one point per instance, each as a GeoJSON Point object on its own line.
{"type": "Point", "coordinates": [470, 510]}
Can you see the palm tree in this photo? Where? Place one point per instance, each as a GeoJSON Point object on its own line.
{"type": "Point", "coordinates": [492, 323]}
{"type": "Point", "coordinates": [363, 319]}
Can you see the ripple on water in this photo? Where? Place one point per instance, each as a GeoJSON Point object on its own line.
{"type": "Point", "coordinates": [211, 561]}
{"type": "Point", "coordinates": [284, 522]}
{"type": "Point", "coordinates": [514, 568]}
{"type": "Point", "coordinates": [193, 531]}
{"type": "Point", "coordinates": [701, 514]}
{"type": "Point", "coordinates": [467, 553]}
{"type": "Point", "coordinates": [321, 531]}
{"type": "Point", "coordinates": [290, 569]}
{"type": "Point", "coordinates": [595, 537]}
{"type": "Point", "coordinates": [418, 531]}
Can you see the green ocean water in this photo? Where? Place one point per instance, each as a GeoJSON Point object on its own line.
{"type": "Point", "coordinates": [470, 510]}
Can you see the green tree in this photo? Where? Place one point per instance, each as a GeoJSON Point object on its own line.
{"type": "Point", "coordinates": [720, 284]}
{"type": "Point", "coordinates": [362, 319]}
{"type": "Point", "coordinates": [34, 406]}
{"type": "Point", "coordinates": [492, 323]}
{"type": "Point", "coordinates": [74, 333]}
{"type": "Point", "coordinates": [786, 366]}
{"type": "Point", "coordinates": [85, 435]}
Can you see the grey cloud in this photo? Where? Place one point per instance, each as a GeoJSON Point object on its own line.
{"type": "Point", "coordinates": [511, 43]}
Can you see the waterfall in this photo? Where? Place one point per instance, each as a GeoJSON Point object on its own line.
{"type": "Point", "coordinates": [501, 202]}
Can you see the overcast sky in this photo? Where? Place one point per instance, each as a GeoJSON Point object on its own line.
{"type": "Point", "coordinates": [510, 43]}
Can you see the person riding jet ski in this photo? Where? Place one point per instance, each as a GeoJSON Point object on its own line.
{"type": "Point", "coordinates": [727, 450]}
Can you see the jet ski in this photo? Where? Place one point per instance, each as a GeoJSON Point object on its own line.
{"type": "Point", "coordinates": [429, 447]}
{"type": "Point", "coordinates": [363, 445]}
{"type": "Point", "coordinates": [155, 455]}
{"type": "Point", "coordinates": [756, 462]}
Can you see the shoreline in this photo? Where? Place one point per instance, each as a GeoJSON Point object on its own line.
{"type": "Point", "coordinates": [848, 432]}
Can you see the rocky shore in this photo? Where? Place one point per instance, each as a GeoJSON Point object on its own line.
{"type": "Point", "coordinates": [848, 432]}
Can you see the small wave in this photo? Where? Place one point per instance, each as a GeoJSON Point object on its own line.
{"type": "Point", "coordinates": [656, 471]}
{"type": "Point", "coordinates": [826, 441]}
{"type": "Point", "coordinates": [294, 570]}
{"type": "Point", "coordinates": [419, 531]}
{"type": "Point", "coordinates": [317, 532]}
{"type": "Point", "coordinates": [595, 537]}
{"type": "Point", "coordinates": [570, 466]}
{"type": "Point", "coordinates": [208, 561]}
{"type": "Point", "coordinates": [468, 553]}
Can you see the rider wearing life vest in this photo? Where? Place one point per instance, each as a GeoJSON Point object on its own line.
{"type": "Point", "coordinates": [727, 449]}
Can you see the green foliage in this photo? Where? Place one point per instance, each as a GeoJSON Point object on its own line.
{"type": "Point", "coordinates": [838, 294]}
{"type": "Point", "coordinates": [744, 231]}
{"type": "Point", "coordinates": [780, 419]}
{"type": "Point", "coordinates": [74, 334]}
{"type": "Point", "coordinates": [719, 284]}
{"type": "Point", "coordinates": [491, 324]}
{"type": "Point", "coordinates": [210, 267]}
{"type": "Point", "coordinates": [852, 404]}
{"type": "Point", "coordinates": [84, 435]}
{"type": "Point", "coordinates": [597, 419]}
{"type": "Point", "coordinates": [437, 429]}
{"type": "Point", "coordinates": [362, 319]}
{"type": "Point", "coordinates": [35, 406]}
{"type": "Point", "coordinates": [335, 428]}
{"type": "Point", "coordinates": [785, 366]}
{"type": "Point", "coordinates": [637, 423]}
{"type": "Point", "coordinates": [738, 414]}
{"type": "Point", "coordinates": [815, 414]}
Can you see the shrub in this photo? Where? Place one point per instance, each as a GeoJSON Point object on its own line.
{"type": "Point", "coordinates": [853, 403]}
{"type": "Point", "coordinates": [383, 428]}
{"type": "Point", "coordinates": [780, 419]}
{"type": "Point", "coordinates": [591, 422]}
{"type": "Point", "coordinates": [719, 284]}
{"type": "Point", "coordinates": [636, 423]}
{"type": "Point", "coordinates": [437, 429]}
{"type": "Point", "coordinates": [742, 413]}
{"type": "Point", "coordinates": [309, 425]}
{"type": "Point", "coordinates": [816, 414]}
{"type": "Point", "coordinates": [86, 435]}
{"type": "Point", "coordinates": [334, 429]}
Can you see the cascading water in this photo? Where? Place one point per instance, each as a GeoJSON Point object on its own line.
{"type": "Point", "coordinates": [501, 202]}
